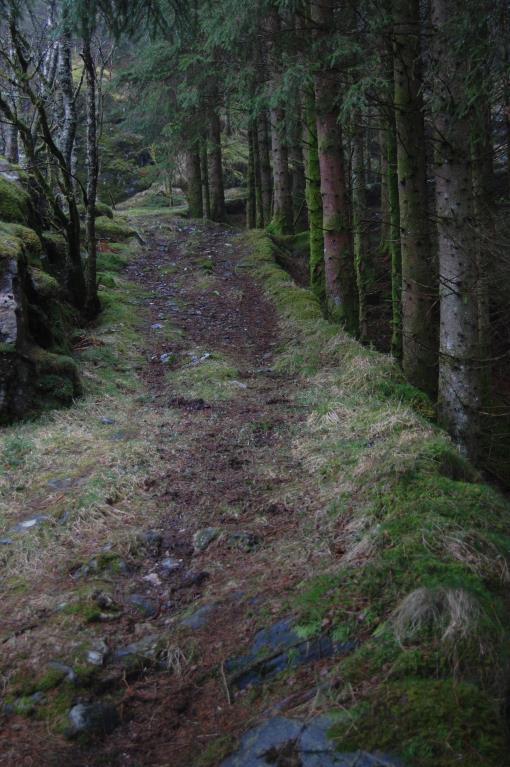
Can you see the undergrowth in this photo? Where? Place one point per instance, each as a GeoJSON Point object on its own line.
{"type": "Point", "coordinates": [419, 566]}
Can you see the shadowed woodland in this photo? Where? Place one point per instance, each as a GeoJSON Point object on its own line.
{"type": "Point", "coordinates": [254, 383]}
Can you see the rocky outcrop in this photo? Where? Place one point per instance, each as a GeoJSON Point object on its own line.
{"type": "Point", "coordinates": [34, 316]}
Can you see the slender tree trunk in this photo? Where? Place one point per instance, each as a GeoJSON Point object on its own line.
{"type": "Point", "coordinates": [194, 183]}
{"type": "Point", "coordinates": [418, 283]}
{"type": "Point", "coordinates": [282, 221]}
{"type": "Point", "coordinates": [394, 239]}
{"type": "Point", "coordinates": [65, 74]}
{"type": "Point", "coordinates": [297, 168]}
{"type": "Point", "coordinates": [359, 206]}
{"type": "Point", "coordinates": [259, 202]}
{"type": "Point", "coordinates": [341, 291]}
{"type": "Point", "coordinates": [383, 178]}
{"type": "Point", "coordinates": [216, 167]}
{"type": "Point", "coordinates": [251, 204]}
{"type": "Point", "coordinates": [92, 305]}
{"type": "Point", "coordinates": [460, 383]}
{"type": "Point", "coordinates": [206, 195]}
{"type": "Point", "coordinates": [313, 196]}
{"type": "Point", "coordinates": [266, 178]}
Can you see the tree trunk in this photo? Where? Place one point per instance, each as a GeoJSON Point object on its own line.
{"type": "Point", "coordinates": [266, 178]}
{"type": "Point", "coordinates": [394, 239]}
{"type": "Point", "coordinates": [259, 202]}
{"type": "Point", "coordinates": [282, 221]}
{"type": "Point", "coordinates": [216, 167]}
{"type": "Point", "coordinates": [251, 204]}
{"type": "Point", "coordinates": [313, 196]}
{"type": "Point", "coordinates": [92, 305]}
{"type": "Point", "coordinates": [340, 275]}
{"type": "Point", "coordinates": [194, 183]}
{"type": "Point", "coordinates": [419, 289]}
{"type": "Point", "coordinates": [460, 373]}
{"type": "Point", "coordinates": [359, 210]}
{"type": "Point", "coordinates": [65, 74]}
{"type": "Point", "coordinates": [206, 195]}
{"type": "Point", "coordinates": [297, 170]}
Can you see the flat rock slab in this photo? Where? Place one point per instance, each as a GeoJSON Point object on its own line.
{"type": "Point", "coordinates": [199, 618]}
{"type": "Point", "coordinates": [289, 741]}
{"type": "Point", "coordinates": [278, 648]}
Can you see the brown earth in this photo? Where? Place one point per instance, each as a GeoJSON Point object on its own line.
{"type": "Point", "coordinates": [226, 463]}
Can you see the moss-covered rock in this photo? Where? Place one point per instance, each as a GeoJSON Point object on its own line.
{"type": "Point", "coordinates": [107, 229]}
{"type": "Point", "coordinates": [14, 202]}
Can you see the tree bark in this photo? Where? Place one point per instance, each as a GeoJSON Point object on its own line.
{"type": "Point", "coordinates": [359, 210]}
{"type": "Point", "coordinates": [206, 192]}
{"type": "Point", "coordinates": [419, 353]}
{"type": "Point", "coordinates": [194, 183]}
{"type": "Point", "coordinates": [340, 275]}
{"type": "Point", "coordinates": [251, 204]}
{"type": "Point", "coordinates": [216, 167]}
{"type": "Point", "coordinates": [65, 75]}
{"type": "Point", "coordinates": [259, 202]}
{"type": "Point", "coordinates": [92, 305]}
{"type": "Point", "coordinates": [266, 178]}
{"type": "Point", "coordinates": [460, 381]}
{"type": "Point", "coordinates": [313, 196]}
{"type": "Point", "coordinates": [282, 221]}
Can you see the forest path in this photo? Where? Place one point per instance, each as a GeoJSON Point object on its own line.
{"type": "Point", "coordinates": [226, 496]}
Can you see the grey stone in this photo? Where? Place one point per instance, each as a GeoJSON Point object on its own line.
{"type": "Point", "coordinates": [107, 421]}
{"type": "Point", "coordinates": [97, 654]}
{"type": "Point", "coordinates": [28, 524]}
{"type": "Point", "coordinates": [93, 719]}
{"type": "Point", "coordinates": [199, 618]}
{"type": "Point", "coordinates": [170, 565]}
{"type": "Point", "coordinates": [203, 538]}
{"type": "Point", "coordinates": [307, 741]}
{"type": "Point", "coordinates": [149, 608]}
{"type": "Point", "coordinates": [146, 650]}
{"type": "Point", "coordinates": [153, 540]}
{"type": "Point", "coordinates": [67, 672]}
{"type": "Point", "coordinates": [6, 541]}
{"type": "Point", "coordinates": [277, 649]}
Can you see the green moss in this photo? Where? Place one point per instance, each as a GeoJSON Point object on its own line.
{"type": "Point", "coordinates": [87, 611]}
{"type": "Point", "coordinates": [428, 723]}
{"type": "Point", "coordinates": [107, 229]}
{"type": "Point", "coordinates": [14, 202]}
{"type": "Point", "coordinates": [215, 752]}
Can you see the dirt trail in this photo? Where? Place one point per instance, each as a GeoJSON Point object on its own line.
{"type": "Point", "coordinates": [227, 467]}
{"type": "Point", "coordinates": [222, 548]}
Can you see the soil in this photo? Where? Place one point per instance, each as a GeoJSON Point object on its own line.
{"type": "Point", "coordinates": [226, 464]}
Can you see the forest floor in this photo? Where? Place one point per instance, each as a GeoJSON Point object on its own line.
{"type": "Point", "coordinates": [185, 534]}
{"type": "Point", "coordinates": [225, 552]}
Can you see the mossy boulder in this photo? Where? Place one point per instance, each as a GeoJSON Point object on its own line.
{"type": "Point", "coordinates": [101, 209]}
{"type": "Point", "coordinates": [107, 229]}
{"type": "Point", "coordinates": [14, 202]}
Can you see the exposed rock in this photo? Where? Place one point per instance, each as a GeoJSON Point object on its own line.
{"type": "Point", "coordinates": [67, 672]}
{"type": "Point", "coordinates": [137, 655]}
{"type": "Point", "coordinates": [194, 578]}
{"type": "Point", "coordinates": [153, 541]}
{"type": "Point", "coordinates": [153, 579]}
{"type": "Point", "coordinates": [278, 648]}
{"type": "Point", "coordinates": [107, 421]}
{"type": "Point", "coordinates": [93, 719]}
{"type": "Point", "coordinates": [199, 618]}
{"type": "Point", "coordinates": [149, 608]}
{"type": "Point", "coordinates": [28, 524]}
{"type": "Point", "coordinates": [97, 654]}
{"type": "Point", "coordinates": [290, 742]}
{"type": "Point", "coordinates": [170, 565]}
{"type": "Point", "coordinates": [203, 538]}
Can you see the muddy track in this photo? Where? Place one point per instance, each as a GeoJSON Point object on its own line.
{"type": "Point", "coordinates": [225, 465]}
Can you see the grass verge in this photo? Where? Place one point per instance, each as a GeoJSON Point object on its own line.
{"type": "Point", "coordinates": [415, 564]}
